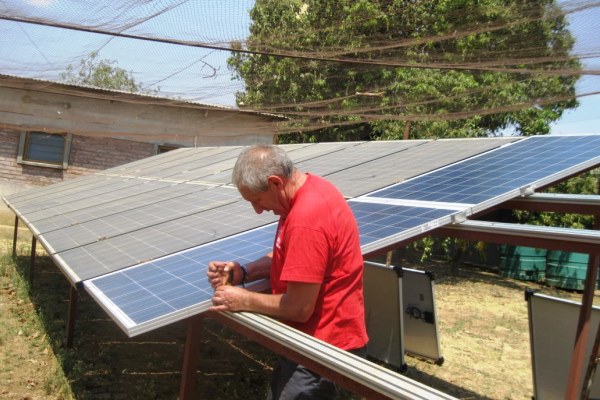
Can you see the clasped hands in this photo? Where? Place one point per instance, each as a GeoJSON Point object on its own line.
{"type": "Point", "coordinates": [222, 276]}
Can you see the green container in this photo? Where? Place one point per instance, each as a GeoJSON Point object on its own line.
{"type": "Point", "coordinates": [523, 263]}
{"type": "Point", "coordinates": [566, 270]}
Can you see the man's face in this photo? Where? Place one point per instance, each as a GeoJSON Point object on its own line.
{"type": "Point", "coordinates": [269, 200]}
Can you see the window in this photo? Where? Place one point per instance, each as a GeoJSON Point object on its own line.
{"type": "Point", "coordinates": [163, 148]}
{"type": "Point", "coordinates": [44, 149]}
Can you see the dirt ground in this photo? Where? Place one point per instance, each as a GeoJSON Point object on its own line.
{"type": "Point", "coordinates": [482, 325]}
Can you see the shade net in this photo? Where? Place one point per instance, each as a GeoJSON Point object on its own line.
{"type": "Point", "coordinates": [455, 62]}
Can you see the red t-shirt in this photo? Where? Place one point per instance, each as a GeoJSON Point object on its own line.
{"type": "Point", "coordinates": [318, 242]}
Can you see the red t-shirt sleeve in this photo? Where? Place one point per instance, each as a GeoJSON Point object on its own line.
{"type": "Point", "coordinates": [306, 260]}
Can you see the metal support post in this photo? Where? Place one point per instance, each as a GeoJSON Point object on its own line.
{"type": "Point", "coordinates": [388, 258]}
{"type": "Point", "coordinates": [595, 354]}
{"type": "Point", "coordinates": [191, 354]}
{"type": "Point", "coordinates": [73, 295]}
{"type": "Point", "coordinates": [583, 326]}
{"type": "Point", "coordinates": [14, 253]}
{"type": "Point", "coordinates": [32, 259]}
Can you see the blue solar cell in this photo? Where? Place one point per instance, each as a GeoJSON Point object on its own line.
{"type": "Point", "coordinates": [175, 282]}
{"type": "Point", "coordinates": [497, 172]}
{"type": "Point", "coordinates": [134, 300]}
{"type": "Point", "coordinates": [380, 221]}
{"type": "Point", "coordinates": [147, 309]}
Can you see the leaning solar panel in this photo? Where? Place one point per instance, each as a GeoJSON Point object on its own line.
{"type": "Point", "coordinates": [386, 168]}
{"type": "Point", "coordinates": [51, 196]}
{"type": "Point", "coordinates": [112, 254]}
{"type": "Point", "coordinates": [502, 174]}
{"type": "Point", "coordinates": [381, 225]}
{"type": "Point", "coordinates": [184, 202]}
{"type": "Point", "coordinates": [171, 288]}
{"type": "Point", "coordinates": [357, 153]}
{"type": "Point", "coordinates": [160, 292]}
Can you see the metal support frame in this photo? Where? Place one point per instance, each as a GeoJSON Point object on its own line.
{"type": "Point", "coordinates": [15, 234]}
{"type": "Point", "coordinates": [578, 204]}
{"type": "Point", "coordinates": [32, 259]}
{"type": "Point", "coordinates": [556, 202]}
{"type": "Point", "coordinates": [566, 239]}
{"type": "Point", "coordinates": [191, 355]}
{"type": "Point", "coordinates": [73, 296]}
{"type": "Point", "coordinates": [356, 374]}
{"type": "Point", "coordinates": [595, 355]}
{"type": "Point", "coordinates": [593, 359]}
{"type": "Point", "coordinates": [590, 279]}
{"type": "Point", "coordinates": [583, 331]}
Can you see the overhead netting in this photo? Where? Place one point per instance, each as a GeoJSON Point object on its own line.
{"type": "Point", "coordinates": [325, 63]}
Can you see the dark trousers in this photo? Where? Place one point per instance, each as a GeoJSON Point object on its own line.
{"type": "Point", "coordinates": [292, 381]}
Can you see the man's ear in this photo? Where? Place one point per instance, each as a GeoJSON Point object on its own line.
{"type": "Point", "coordinates": [275, 180]}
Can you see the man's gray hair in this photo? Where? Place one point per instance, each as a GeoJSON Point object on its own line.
{"type": "Point", "coordinates": [256, 163]}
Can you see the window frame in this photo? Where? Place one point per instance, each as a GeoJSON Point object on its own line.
{"type": "Point", "coordinates": [24, 143]}
{"type": "Point", "coordinates": [164, 148]}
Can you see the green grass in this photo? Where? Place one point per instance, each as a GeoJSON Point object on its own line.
{"type": "Point", "coordinates": [103, 362]}
{"type": "Point", "coordinates": [20, 321]}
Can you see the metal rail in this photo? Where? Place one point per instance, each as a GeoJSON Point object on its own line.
{"type": "Point", "coordinates": [355, 373]}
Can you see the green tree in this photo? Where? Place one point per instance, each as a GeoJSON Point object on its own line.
{"type": "Point", "coordinates": [347, 65]}
{"type": "Point", "coordinates": [102, 74]}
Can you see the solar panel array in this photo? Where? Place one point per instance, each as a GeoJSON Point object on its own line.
{"type": "Point", "coordinates": [165, 204]}
{"type": "Point", "coordinates": [384, 218]}
{"type": "Point", "coordinates": [140, 235]}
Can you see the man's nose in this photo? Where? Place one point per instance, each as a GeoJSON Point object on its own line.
{"type": "Point", "coordinates": [257, 209]}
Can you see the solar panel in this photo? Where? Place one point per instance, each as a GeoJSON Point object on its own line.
{"type": "Point", "coordinates": [352, 156]}
{"type": "Point", "coordinates": [182, 203]}
{"type": "Point", "coordinates": [27, 196]}
{"type": "Point", "coordinates": [168, 289]}
{"type": "Point", "coordinates": [153, 193]}
{"type": "Point", "coordinates": [54, 196]}
{"type": "Point", "coordinates": [195, 166]}
{"type": "Point", "coordinates": [307, 151]}
{"type": "Point", "coordinates": [112, 195]}
{"type": "Point", "coordinates": [381, 225]}
{"type": "Point", "coordinates": [153, 294]}
{"type": "Point", "coordinates": [166, 160]}
{"type": "Point", "coordinates": [118, 252]}
{"type": "Point", "coordinates": [529, 163]}
{"type": "Point", "coordinates": [388, 168]}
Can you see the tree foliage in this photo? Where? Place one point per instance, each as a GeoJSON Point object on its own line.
{"type": "Point", "coordinates": [102, 74]}
{"type": "Point", "coordinates": [365, 99]}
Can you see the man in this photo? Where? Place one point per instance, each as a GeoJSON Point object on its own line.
{"type": "Point", "coordinates": [315, 268]}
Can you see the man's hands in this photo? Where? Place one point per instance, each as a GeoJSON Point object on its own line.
{"type": "Point", "coordinates": [229, 298]}
{"type": "Point", "coordinates": [296, 304]}
{"type": "Point", "coordinates": [223, 276]}
{"type": "Point", "coordinates": [223, 273]}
